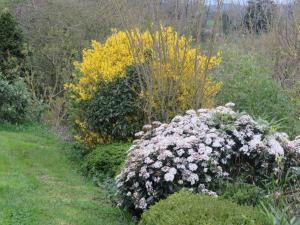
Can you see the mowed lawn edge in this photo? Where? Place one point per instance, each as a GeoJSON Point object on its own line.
{"type": "Point", "coordinates": [39, 184]}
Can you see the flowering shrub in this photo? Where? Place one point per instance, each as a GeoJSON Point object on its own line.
{"type": "Point", "coordinates": [189, 208]}
{"type": "Point", "coordinates": [196, 149]}
{"type": "Point", "coordinates": [110, 59]}
{"type": "Point", "coordinates": [174, 78]}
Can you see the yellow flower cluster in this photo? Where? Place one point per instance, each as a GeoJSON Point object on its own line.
{"type": "Point", "coordinates": [171, 57]}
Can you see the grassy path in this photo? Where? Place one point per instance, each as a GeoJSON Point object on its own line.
{"type": "Point", "coordinates": [39, 185]}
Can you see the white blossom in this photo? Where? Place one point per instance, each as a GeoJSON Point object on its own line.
{"type": "Point", "coordinates": [157, 164]}
{"type": "Point", "coordinates": [195, 148]}
{"type": "Point", "coordinates": [193, 166]}
{"type": "Point", "coordinates": [142, 203]}
{"type": "Point", "coordinates": [169, 177]}
{"type": "Point", "coordinates": [139, 134]}
{"type": "Point", "coordinates": [275, 147]}
{"type": "Point", "coordinates": [148, 160]}
{"type": "Point", "coordinates": [193, 178]}
{"type": "Point", "coordinates": [180, 152]}
{"type": "Point", "coordinates": [230, 105]}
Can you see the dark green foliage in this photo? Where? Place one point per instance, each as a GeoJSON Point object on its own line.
{"type": "Point", "coordinates": [241, 193]}
{"type": "Point", "coordinates": [11, 38]}
{"type": "Point", "coordinates": [226, 23]}
{"type": "Point", "coordinates": [113, 110]}
{"type": "Point", "coordinates": [14, 101]}
{"type": "Point", "coordinates": [11, 44]}
{"type": "Point", "coordinates": [248, 85]}
{"type": "Point", "coordinates": [259, 15]}
{"type": "Point", "coordinates": [106, 160]}
{"type": "Point", "coordinates": [189, 208]}
{"type": "Point", "coordinates": [14, 97]}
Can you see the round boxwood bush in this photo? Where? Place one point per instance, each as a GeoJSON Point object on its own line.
{"type": "Point", "coordinates": [195, 150]}
{"type": "Point", "coordinates": [194, 209]}
{"type": "Point", "coordinates": [106, 160]}
{"type": "Point", "coordinates": [113, 110]}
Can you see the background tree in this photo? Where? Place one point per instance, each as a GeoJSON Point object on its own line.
{"type": "Point", "coordinates": [11, 45]}
{"type": "Point", "coordinates": [259, 15]}
{"type": "Point", "coordinates": [226, 23]}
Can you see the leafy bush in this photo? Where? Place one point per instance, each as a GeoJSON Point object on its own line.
{"type": "Point", "coordinates": [241, 193]}
{"type": "Point", "coordinates": [189, 208]}
{"type": "Point", "coordinates": [166, 82]}
{"type": "Point", "coordinates": [106, 160]}
{"type": "Point", "coordinates": [14, 101]}
{"type": "Point", "coordinates": [195, 150]}
{"type": "Point", "coordinates": [248, 85]}
{"type": "Point", "coordinates": [14, 97]}
{"type": "Point", "coordinates": [113, 110]}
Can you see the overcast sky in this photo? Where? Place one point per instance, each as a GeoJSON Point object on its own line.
{"type": "Point", "coordinates": [245, 1]}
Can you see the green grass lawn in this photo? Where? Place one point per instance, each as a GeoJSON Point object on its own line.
{"type": "Point", "coordinates": [40, 185]}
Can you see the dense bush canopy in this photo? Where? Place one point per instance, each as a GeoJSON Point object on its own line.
{"type": "Point", "coordinates": [113, 110]}
{"type": "Point", "coordinates": [11, 47]}
{"type": "Point", "coordinates": [106, 161]}
{"type": "Point", "coordinates": [188, 208]}
{"type": "Point", "coordinates": [11, 37]}
{"type": "Point", "coordinates": [14, 101]}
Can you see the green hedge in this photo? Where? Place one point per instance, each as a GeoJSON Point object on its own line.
{"type": "Point", "coordinates": [186, 208]}
{"type": "Point", "coordinates": [106, 160]}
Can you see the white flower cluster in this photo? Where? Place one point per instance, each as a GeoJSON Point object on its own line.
{"type": "Point", "coordinates": [195, 149]}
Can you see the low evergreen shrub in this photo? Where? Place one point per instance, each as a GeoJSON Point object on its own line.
{"type": "Point", "coordinates": [241, 193]}
{"type": "Point", "coordinates": [14, 101]}
{"type": "Point", "coordinates": [194, 209]}
{"type": "Point", "coordinates": [106, 160]}
{"type": "Point", "coordinates": [113, 110]}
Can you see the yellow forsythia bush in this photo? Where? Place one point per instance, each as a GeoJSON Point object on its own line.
{"type": "Point", "coordinates": [175, 76]}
